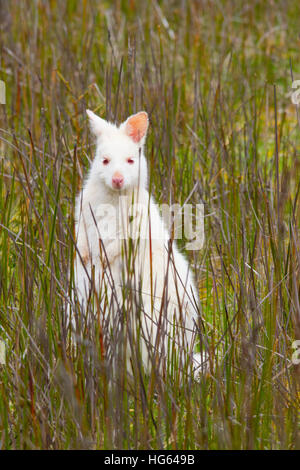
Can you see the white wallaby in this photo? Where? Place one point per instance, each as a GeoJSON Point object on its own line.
{"type": "Point", "coordinates": [113, 208]}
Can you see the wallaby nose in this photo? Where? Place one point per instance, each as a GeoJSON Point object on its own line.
{"type": "Point", "coordinates": [117, 180]}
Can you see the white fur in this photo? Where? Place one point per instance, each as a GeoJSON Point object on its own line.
{"type": "Point", "coordinates": [92, 220]}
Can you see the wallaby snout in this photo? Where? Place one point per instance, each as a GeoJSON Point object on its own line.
{"type": "Point", "coordinates": [117, 180]}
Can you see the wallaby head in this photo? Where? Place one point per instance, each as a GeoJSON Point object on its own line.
{"type": "Point", "coordinates": [120, 163]}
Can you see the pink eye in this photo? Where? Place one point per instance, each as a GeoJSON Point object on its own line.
{"type": "Point", "coordinates": [130, 161]}
{"type": "Point", "coordinates": [105, 161]}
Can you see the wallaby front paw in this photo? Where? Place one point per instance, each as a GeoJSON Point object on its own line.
{"type": "Point", "coordinates": [84, 255]}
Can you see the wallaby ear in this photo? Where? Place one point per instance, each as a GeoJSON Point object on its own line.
{"type": "Point", "coordinates": [98, 125]}
{"type": "Point", "coordinates": [136, 126]}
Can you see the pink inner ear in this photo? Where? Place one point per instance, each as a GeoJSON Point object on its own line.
{"type": "Point", "coordinates": [136, 126]}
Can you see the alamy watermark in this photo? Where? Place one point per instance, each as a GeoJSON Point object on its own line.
{"type": "Point", "coordinates": [2, 92]}
{"type": "Point", "coordinates": [2, 352]}
{"type": "Point", "coordinates": [131, 220]}
{"type": "Point", "coordinates": [296, 353]}
{"type": "Point", "coordinates": [295, 96]}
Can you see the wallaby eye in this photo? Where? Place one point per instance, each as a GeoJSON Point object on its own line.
{"type": "Point", "coordinates": [130, 161]}
{"type": "Point", "coordinates": [105, 161]}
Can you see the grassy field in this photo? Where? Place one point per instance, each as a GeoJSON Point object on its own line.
{"type": "Point", "coordinates": [216, 79]}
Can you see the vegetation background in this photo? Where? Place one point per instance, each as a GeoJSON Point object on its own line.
{"type": "Point", "coordinates": [216, 79]}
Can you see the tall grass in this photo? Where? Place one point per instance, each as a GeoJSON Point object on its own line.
{"type": "Point", "coordinates": [215, 78]}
